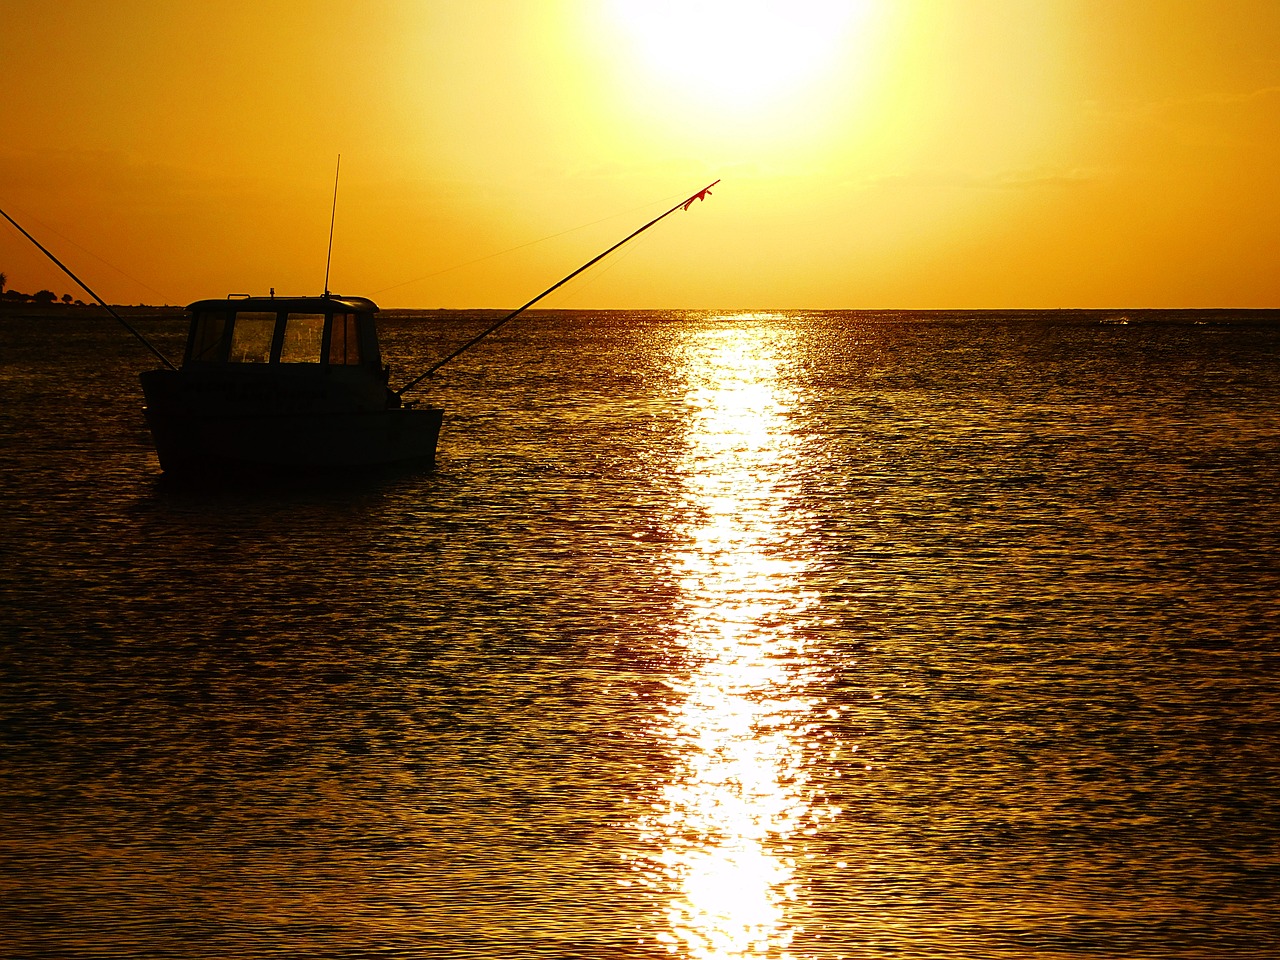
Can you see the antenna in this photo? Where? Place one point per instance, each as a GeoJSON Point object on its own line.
{"type": "Point", "coordinates": [332, 216]}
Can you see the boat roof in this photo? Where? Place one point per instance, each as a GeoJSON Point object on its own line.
{"type": "Point", "coordinates": [330, 303]}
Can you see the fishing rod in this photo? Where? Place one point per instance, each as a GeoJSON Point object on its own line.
{"type": "Point", "coordinates": [682, 205]}
{"type": "Point", "coordinates": [65, 269]}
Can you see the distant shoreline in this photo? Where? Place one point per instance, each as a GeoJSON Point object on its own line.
{"type": "Point", "coordinates": [13, 310]}
{"type": "Point", "coordinates": [37, 311]}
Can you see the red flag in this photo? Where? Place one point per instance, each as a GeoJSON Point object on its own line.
{"type": "Point", "coordinates": [698, 196]}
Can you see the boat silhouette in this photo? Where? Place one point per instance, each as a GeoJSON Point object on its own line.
{"type": "Point", "coordinates": [284, 383]}
{"type": "Point", "coordinates": [270, 384]}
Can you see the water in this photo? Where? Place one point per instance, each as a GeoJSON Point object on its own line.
{"type": "Point", "coordinates": [711, 635]}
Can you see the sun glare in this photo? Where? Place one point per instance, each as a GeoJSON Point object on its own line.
{"type": "Point", "coordinates": [723, 837]}
{"type": "Point", "coordinates": [738, 54]}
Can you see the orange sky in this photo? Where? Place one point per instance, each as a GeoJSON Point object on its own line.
{"type": "Point", "coordinates": [875, 154]}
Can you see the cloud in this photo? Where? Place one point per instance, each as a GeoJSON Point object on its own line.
{"type": "Point", "coordinates": [1022, 179]}
{"type": "Point", "coordinates": [1262, 93]}
{"type": "Point", "coordinates": [1177, 108]}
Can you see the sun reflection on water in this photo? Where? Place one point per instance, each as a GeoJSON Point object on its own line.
{"type": "Point", "coordinates": [723, 837]}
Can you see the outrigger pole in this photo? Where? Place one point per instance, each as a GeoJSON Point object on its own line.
{"type": "Point", "coordinates": [147, 343]}
{"type": "Point", "coordinates": [683, 204]}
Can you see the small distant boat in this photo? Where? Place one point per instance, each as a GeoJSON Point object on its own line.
{"type": "Point", "coordinates": [283, 384]}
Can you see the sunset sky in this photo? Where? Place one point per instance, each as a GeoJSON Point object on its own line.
{"type": "Point", "coordinates": [874, 154]}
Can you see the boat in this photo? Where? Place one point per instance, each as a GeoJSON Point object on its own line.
{"type": "Point", "coordinates": [284, 384]}
{"type": "Point", "coordinates": [293, 384]}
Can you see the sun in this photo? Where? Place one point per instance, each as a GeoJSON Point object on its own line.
{"type": "Point", "coordinates": [738, 54]}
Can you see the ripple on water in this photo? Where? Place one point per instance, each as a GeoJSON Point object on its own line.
{"type": "Point", "coordinates": [788, 635]}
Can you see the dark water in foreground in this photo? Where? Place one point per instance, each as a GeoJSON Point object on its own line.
{"type": "Point", "coordinates": [711, 635]}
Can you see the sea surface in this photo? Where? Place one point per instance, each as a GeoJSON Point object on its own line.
{"type": "Point", "coordinates": [710, 635]}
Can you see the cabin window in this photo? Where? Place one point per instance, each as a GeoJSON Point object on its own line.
{"type": "Point", "coordinates": [344, 344]}
{"type": "Point", "coordinates": [251, 338]}
{"type": "Point", "coordinates": [303, 333]}
{"type": "Point", "coordinates": [206, 342]}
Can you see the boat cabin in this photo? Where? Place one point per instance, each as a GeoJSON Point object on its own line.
{"type": "Point", "coordinates": [285, 354]}
{"type": "Point", "coordinates": [331, 331]}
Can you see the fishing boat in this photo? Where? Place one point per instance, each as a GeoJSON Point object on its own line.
{"type": "Point", "coordinates": [288, 383]}
{"type": "Point", "coordinates": [293, 384]}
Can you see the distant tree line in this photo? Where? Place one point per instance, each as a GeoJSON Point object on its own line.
{"type": "Point", "coordinates": [40, 297]}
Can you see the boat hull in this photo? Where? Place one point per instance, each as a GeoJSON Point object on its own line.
{"type": "Point", "coordinates": [194, 443]}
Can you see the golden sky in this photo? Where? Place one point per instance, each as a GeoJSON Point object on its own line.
{"type": "Point", "coordinates": [874, 154]}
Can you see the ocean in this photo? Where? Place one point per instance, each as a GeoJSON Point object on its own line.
{"type": "Point", "coordinates": [711, 635]}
